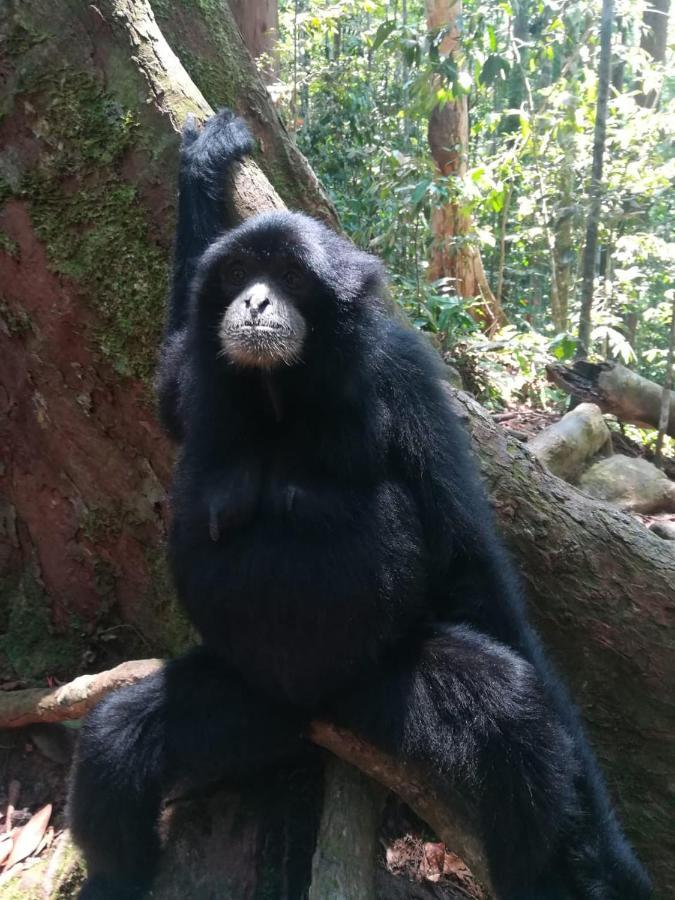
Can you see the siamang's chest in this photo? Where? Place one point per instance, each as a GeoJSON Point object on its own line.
{"type": "Point", "coordinates": [304, 578]}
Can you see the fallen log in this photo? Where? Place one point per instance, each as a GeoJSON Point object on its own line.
{"type": "Point", "coordinates": [566, 446]}
{"type": "Point", "coordinates": [616, 390]}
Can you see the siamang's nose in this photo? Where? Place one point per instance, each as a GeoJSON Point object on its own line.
{"type": "Point", "coordinates": [256, 303]}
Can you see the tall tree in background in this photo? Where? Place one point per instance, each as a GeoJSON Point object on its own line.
{"type": "Point", "coordinates": [258, 21]}
{"type": "Point", "coordinates": [654, 41]}
{"type": "Point", "coordinates": [593, 221]}
{"type": "Point", "coordinates": [454, 255]}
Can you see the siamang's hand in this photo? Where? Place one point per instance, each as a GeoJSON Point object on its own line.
{"type": "Point", "coordinates": [232, 499]}
{"type": "Point", "coordinates": [286, 498]}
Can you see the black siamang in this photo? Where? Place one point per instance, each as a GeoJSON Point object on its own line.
{"type": "Point", "coordinates": [334, 547]}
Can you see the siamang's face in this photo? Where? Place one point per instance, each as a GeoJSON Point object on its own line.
{"type": "Point", "coordinates": [263, 324]}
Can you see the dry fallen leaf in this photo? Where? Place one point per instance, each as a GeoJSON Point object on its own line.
{"type": "Point", "coordinates": [453, 865]}
{"type": "Point", "coordinates": [433, 860]}
{"type": "Point", "coordinates": [29, 837]}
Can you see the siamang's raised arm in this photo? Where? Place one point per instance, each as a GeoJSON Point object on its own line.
{"type": "Point", "coordinates": [205, 158]}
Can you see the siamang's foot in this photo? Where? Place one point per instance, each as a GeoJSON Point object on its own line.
{"type": "Point", "coordinates": [108, 887]}
{"type": "Point", "coordinates": [611, 874]}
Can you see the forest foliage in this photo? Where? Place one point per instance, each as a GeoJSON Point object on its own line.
{"type": "Point", "coordinates": [356, 85]}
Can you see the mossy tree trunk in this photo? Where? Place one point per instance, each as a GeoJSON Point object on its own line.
{"type": "Point", "coordinates": [93, 99]}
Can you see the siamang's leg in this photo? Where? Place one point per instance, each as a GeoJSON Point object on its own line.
{"type": "Point", "coordinates": [192, 722]}
{"type": "Point", "coordinates": [470, 711]}
{"type": "Point", "coordinates": [598, 859]}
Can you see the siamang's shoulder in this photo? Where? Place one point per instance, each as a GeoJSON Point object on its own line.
{"type": "Point", "coordinates": [406, 356]}
{"type": "Point", "coordinates": [411, 377]}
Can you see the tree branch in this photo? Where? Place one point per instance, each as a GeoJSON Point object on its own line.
{"type": "Point", "coordinates": [72, 700]}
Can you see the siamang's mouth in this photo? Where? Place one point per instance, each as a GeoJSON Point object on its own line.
{"type": "Point", "coordinates": [262, 344]}
{"type": "Point", "coordinates": [258, 327]}
{"type": "Point", "coordinates": [264, 326]}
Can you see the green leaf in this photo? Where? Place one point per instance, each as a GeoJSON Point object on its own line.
{"type": "Point", "coordinates": [420, 191]}
{"type": "Point", "coordinates": [492, 38]}
{"type": "Point", "coordinates": [563, 346]}
{"type": "Point", "coordinates": [383, 33]}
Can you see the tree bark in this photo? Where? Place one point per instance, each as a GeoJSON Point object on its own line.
{"type": "Point", "coordinates": [602, 592]}
{"type": "Point", "coordinates": [454, 255]}
{"type": "Point", "coordinates": [617, 391]}
{"type": "Point", "coordinates": [94, 97]}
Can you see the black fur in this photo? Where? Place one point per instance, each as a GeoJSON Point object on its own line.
{"type": "Point", "coordinates": [355, 573]}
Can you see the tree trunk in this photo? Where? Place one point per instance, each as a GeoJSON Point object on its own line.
{"type": "Point", "coordinates": [258, 21]}
{"type": "Point", "coordinates": [602, 592]}
{"type": "Point", "coordinates": [454, 255]}
{"type": "Point", "coordinates": [94, 96]}
{"type": "Point", "coordinates": [595, 194]}
{"type": "Point", "coordinates": [654, 41]}
{"type": "Point", "coordinates": [563, 231]}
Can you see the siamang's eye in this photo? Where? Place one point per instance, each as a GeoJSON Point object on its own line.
{"type": "Point", "coordinates": [237, 273]}
{"type": "Point", "coordinates": [293, 277]}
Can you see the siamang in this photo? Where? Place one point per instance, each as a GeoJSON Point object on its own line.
{"type": "Point", "coordinates": [334, 547]}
